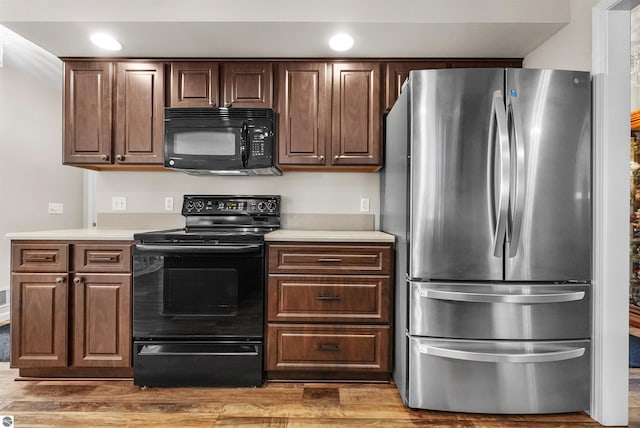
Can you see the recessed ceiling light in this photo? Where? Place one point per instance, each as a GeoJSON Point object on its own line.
{"type": "Point", "coordinates": [105, 41]}
{"type": "Point", "coordinates": [341, 42]}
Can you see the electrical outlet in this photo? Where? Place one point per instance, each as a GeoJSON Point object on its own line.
{"type": "Point", "coordinates": [364, 205]}
{"type": "Point", "coordinates": [56, 208]}
{"type": "Point", "coordinates": [118, 203]}
{"type": "Point", "coordinates": [168, 203]}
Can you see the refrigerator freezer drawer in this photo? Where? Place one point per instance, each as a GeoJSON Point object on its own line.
{"type": "Point", "coordinates": [499, 377]}
{"type": "Point", "coordinates": [500, 311]}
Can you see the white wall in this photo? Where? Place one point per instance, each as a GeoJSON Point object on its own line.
{"type": "Point", "coordinates": [302, 192]}
{"type": "Point", "coordinates": [32, 174]}
{"type": "Point", "coordinates": [569, 48]}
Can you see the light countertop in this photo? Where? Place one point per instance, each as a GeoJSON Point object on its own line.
{"type": "Point", "coordinates": [292, 235]}
{"type": "Point", "coordinates": [76, 234]}
{"type": "Point", "coordinates": [329, 236]}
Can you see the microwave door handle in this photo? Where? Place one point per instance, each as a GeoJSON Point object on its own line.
{"type": "Point", "coordinates": [244, 142]}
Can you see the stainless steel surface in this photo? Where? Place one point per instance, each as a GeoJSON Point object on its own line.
{"type": "Point", "coordinates": [499, 377]}
{"type": "Point", "coordinates": [518, 182]}
{"type": "Point", "coordinates": [451, 225]}
{"type": "Point", "coordinates": [498, 171]}
{"type": "Point", "coordinates": [555, 240]}
{"type": "Point", "coordinates": [500, 311]}
{"type": "Point", "coordinates": [502, 357]}
{"type": "Point", "coordinates": [491, 211]}
{"type": "Point", "coordinates": [393, 195]}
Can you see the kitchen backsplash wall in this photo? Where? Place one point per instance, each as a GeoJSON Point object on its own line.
{"type": "Point", "coordinates": [302, 192]}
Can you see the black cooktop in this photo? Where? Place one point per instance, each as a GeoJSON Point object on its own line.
{"type": "Point", "coordinates": [213, 219]}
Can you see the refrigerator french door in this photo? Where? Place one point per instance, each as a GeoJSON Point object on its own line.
{"type": "Point", "coordinates": [493, 169]}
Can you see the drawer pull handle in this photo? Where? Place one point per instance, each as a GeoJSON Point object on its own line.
{"type": "Point", "coordinates": [336, 260]}
{"type": "Point", "coordinates": [103, 259]}
{"type": "Point", "coordinates": [328, 297]}
{"type": "Point", "coordinates": [523, 299]}
{"type": "Point", "coordinates": [39, 259]}
{"type": "Point", "coordinates": [332, 348]}
{"type": "Point", "coordinates": [498, 357]}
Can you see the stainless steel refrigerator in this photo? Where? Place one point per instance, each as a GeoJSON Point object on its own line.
{"type": "Point", "coordinates": [487, 188]}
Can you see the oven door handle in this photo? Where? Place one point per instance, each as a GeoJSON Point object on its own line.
{"type": "Point", "coordinates": [204, 349]}
{"type": "Point", "coordinates": [200, 249]}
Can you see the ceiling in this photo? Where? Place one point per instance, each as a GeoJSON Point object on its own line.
{"type": "Point", "coordinates": [288, 28]}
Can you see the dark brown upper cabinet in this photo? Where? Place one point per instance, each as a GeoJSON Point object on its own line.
{"type": "Point", "coordinates": [194, 84]}
{"type": "Point", "coordinates": [88, 94]}
{"type": "Point", "coordinates": [113, 114]}
{"type": "Point", "coordinates": [139, 113]}
{"type": "Point", "coordinates": [356, 117]}
{"type": "Point", "coordinates": [303, 106]}
{"type": "Point", "coordinates": [247, 84]}
{"type": "Point", "coordinates": [329, 116]}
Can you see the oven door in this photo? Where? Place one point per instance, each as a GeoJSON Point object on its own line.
{"type": "Point", "coordinates": [198, 291]}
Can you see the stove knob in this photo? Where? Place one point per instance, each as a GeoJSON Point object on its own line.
{"type": "Point", "coordinates": [199, 205]}
{"type": "Point", "coordinates": [189, 205]}
{"type": "Point", "coordinates": [271, 206]}
{"type": "Point", "coordinates": [261, 206]}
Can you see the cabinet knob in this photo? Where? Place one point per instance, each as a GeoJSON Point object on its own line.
{"type": "Point", "coordinates": [336, 158]}
{"type": "Point", "coordinates": [59, 280]}
{"type": "Point", "coordinates": [120, 158]}
{"type": "Point", "coordinates": [77, 280]}
{"type": "Point", "coordinates": [321, 158]}
{"type": "Point", "coordinates": [104, 157]}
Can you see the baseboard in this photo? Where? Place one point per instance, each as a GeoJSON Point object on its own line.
{"type": "Point", "coordinates": [4, 314]}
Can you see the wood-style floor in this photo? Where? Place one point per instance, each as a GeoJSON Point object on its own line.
{"type": "Point", "coordinates": [103, 403]}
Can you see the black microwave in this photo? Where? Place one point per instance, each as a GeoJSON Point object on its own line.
{"type": "Point", "coordinates": [220, 141]}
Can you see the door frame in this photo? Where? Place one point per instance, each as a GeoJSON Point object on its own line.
{"type": "Point", "coordinates": [611, 35]}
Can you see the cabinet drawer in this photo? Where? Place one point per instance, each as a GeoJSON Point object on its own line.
{"type": "Point", "coordinates": [39, 257]}
{"type": "Point", "coordinates": [330, 298]}
{"type": "Point", "coordinates": [102, 258]}
{"type": "Point", "coordinates": [328, 348]}
{"type": "Point", "coordinates": [330, 258]}
{"type": "Point", "coordinates": [499, 376]}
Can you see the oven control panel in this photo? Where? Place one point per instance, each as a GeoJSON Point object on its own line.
{"type": "Point", "coordinates": [230, 205]}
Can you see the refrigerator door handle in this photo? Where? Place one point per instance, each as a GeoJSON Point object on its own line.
{"type": "Point", "coordinates": [535, 357]}
{"type": "Point", "coordinates": [498, 181]}
{"type": "Point", "coordinates": [523, 299]}
{"type": "Point", "coordinates": [518, 178]}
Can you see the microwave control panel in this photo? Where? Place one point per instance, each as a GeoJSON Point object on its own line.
{"type": "Point", "coordinates": [258, 137]}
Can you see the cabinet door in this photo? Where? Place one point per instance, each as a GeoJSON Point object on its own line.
{"type": "Point", "coordinates": [397, 73]}
{"type": "Point", "coordinates": [87, 112]}
{"type": "Point", "coordinates": [303, 120]}
{"type": "Point", "coordinates": [247, 84]}
{"type": "Point", "coordinates": [356, 114]}
{"type": "Point", "coordinates": [102, 320]}
{"type": "Point", "coordinates": [194, 84]}
{"type": "Point", "coordinates": [139, 113]}
{"type": "Point", "coordinates": [39, 320]}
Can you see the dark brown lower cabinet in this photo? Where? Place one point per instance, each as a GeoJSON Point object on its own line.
{"type": "Point", "coordinates": [329, 311]}
{"type": "Point", "coordinates": [39, 320]}
{"type": "Point", "coordinates": [71, 321]}
{"type": "Point", "coordinates": [101, 321]}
